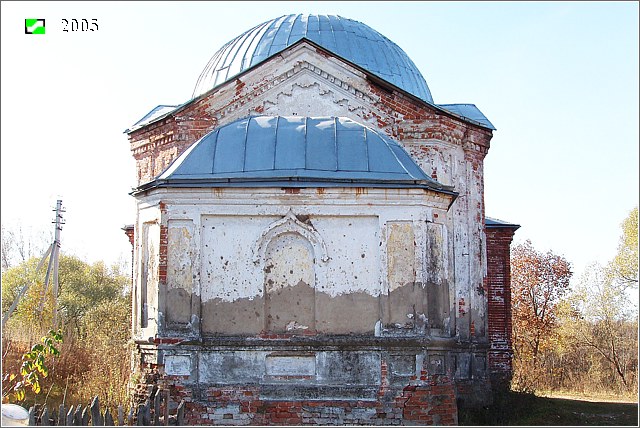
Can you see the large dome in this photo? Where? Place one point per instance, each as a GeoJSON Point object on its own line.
{"type": "Point", "coordinates": [347, 38]}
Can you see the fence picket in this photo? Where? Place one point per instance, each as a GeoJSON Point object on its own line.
{"type": "Point", "coordinates": [156, 407]}
{"type": "Point", "coordinates": [32, 416]}
{"type": "Point", "coordinates": [85, 417]}
{"type": "Point", "coordinates": [77, 416]}
{"type": "Point", "coordinates": [166, 407]}
{"type": "Point", "coordinates": [44, 417]}
{"type": "Point", "coordinates": [180, 414]}
{"type": "Point", "coordinates": [140, 415]}
{"type": "Point", "coordinates": [120, 415]}
{"type": "Point", "coordinates": [70, 417]}
{"type": "Point", "coordinates": [62, 413]}
{"type": "Point", "coordinates": [91, 414]}
{"type": "Point", "coordinates": [95, 413]}
{"type": "Point", "coordinates": [147, 413]}
{"type": "Point", "coordinates": [108, 419]}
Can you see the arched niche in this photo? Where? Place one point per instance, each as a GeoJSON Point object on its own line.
{"type": "Point", "coordinates": [291, 224]}
{"type": "Point", "coordinates": [292, 255]}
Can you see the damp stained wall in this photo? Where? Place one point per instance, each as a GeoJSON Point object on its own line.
{"type": "Point", "coordinates": [340, 261]}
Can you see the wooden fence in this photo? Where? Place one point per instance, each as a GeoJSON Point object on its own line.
{"type": "Point", "coordinates": [155, 411]}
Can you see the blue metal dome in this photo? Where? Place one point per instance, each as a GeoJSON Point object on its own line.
{"type": "Point", "coordinates": [295, 151]}
{"type": "Point", "coordinates": [347, 38]}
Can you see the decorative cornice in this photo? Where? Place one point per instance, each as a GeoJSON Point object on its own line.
{"type": "Point", "coordinates": [431, 135]}
{"type": "Point", "coordinates": [154, 141]}
{"type": "Point", "coordinates": [219, 110]}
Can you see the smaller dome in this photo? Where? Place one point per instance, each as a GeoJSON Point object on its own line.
{"type": "Point", "coordinates": [295, 151]}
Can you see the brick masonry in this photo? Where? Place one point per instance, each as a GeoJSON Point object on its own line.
{"type": "Point", "coordinates": [498, 282]}
{"type": "Point", "coordinates": [425, 400]}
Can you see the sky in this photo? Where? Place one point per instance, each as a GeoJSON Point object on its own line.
{"type": "Point", "coordinates": [559, 81]}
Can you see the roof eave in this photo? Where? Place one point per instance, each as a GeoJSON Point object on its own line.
{"type": "Point", "coordinates": [299, 182]}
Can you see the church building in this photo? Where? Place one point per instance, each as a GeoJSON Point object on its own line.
{"type": "Point", "coordinates": [310, 243]}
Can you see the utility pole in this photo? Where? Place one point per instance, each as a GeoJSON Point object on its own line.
{"type": "Point", "coordinates": [55, 256]}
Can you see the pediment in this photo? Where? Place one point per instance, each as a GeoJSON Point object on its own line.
{"type": "Point", "coordinates": [300, 82]}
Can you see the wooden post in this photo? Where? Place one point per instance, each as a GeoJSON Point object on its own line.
{"type": "Point", "coordinates": [180, 414]}
{"type": "Point", "coordinates": [44, 417]}
{"type": "Point", "coordinates": [62, 414]}
{"type": "Point", "coordinates": [166, 407]}
{"type": "Point", "coordinates": [70, 413]}
{"type": "Point", "coordinates": [156, 407]}
{"type": "Point", "coordinates": [77, 416]}
{"type": "Point", "coordinates": [95, 412]}
{"type": "Point", "coordinates": [121, 415]}
{"type": "Point", "coordinates": [32, 416]}
{"type": "Point", "coordinates": [108, 419]}
{"type": "Point", "coordinates": [85, 417]}
{"type": "Point", "coordinates": [140, 421]}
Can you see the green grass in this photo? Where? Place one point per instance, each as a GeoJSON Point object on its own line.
{"type": "Point", "coordinates": [514, 408]}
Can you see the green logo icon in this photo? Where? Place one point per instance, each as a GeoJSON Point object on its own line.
{"type": "Point", "coordinates": [33, 26]}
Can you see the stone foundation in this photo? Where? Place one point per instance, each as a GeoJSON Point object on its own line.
{"type": "Point", "coordinates": [315, 381]}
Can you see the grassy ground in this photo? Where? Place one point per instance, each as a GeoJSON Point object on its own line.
{"type": "Point", "coordinates": [526, 409]}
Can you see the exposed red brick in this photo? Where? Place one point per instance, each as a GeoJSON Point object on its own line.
{"type": "Point", "coordinates": [498, 285]}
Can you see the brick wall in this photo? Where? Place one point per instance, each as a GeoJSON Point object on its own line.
{"type": "Point", "coordinates": [430, 401]}
{"type": "Point", "coordinates": [164, 243]}
{"type": "Point", "coordinates": [498, 283]}
{"type": "Point", "coordinates": [155, 146]}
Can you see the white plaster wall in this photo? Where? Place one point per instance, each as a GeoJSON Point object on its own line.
{"type": "Point", "coordinates": [146, 262]}
{"type": "Point", "coordinates": [354, 254]}
{"type": "Point", "coordinates": [351, 223]}
{"type": "Point", "coordinates": [448, 163]}
{"type": "Point", "coordinates": [228, 229]}
{"type": "Point", "coordinates": [228, 270]}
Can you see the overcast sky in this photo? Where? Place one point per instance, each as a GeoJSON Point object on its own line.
{"type": "Point", "coordinates": [559, 80]}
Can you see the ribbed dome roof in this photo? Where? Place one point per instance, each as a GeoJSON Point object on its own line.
{"type": "Point", "coordinates": [295, 151]}
{"type": "Point", "coordinates": [347, 38]}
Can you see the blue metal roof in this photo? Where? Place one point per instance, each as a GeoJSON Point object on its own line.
{"type": "Point", "coordinates": [295, 151]}
{"type": "Point", "coordinates": [495, 223]}
{"type": "Point", "coordinates": [154, 114]}
{"type": "Point", "coordinates": [470, 112]}
{"type": "Point", "coordinates": [349, 39]}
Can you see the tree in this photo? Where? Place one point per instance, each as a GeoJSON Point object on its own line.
{"type": "Point", "coordinates": [539, 281]}
{"type": "Point", "coordinates": [94, 311]}
{"type": "Point", "coordinates": [623, 269]}
{"type": "Point", "coordinates": [82, 287]}
{"type": "Point", "coordinates": [19, 245]}
{"type": "Point", "coordinates": [609, 322]}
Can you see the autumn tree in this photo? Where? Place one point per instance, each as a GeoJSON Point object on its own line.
{"type": "Point", "coordinates": [94, 311]}
{"type": "Point", "coordinates": [82, 287]}
{"type": "Point", "coordinates": [623, 269]}
{"type": "Point", "coordinates": [539, 281]}
{"type": "Point", "coordinates": [607, 324]}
